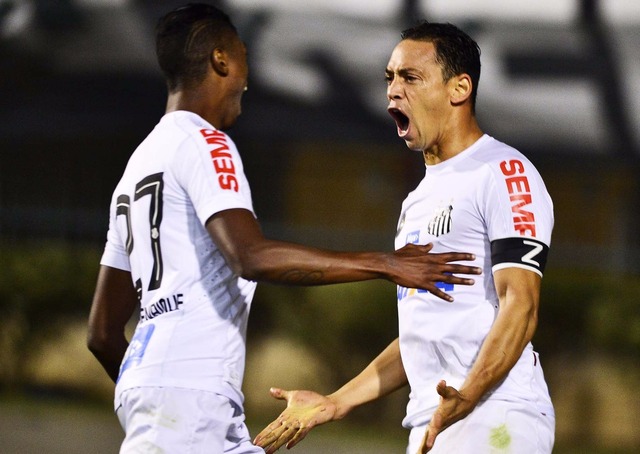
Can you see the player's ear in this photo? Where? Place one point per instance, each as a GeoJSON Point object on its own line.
{"type": "Point", "coordinates": [461, 87]}
{"type": "Point", "coordinates": [220, 62]}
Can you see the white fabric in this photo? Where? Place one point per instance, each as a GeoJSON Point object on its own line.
{"type": "Point", "coordinates": [463, 204]}
{"type": "Point", "coordinates": [184, 421]}
{"type": "Point", "coordinates": [494, 427]}
{"type": "Point", "coordinates": [192, 328]}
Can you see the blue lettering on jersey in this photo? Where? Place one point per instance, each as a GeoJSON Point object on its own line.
{"type": "Point", "coordinates": [403, 292]}
{"type": "Point", "coordinates": [137, 347]}
{"type": "Point", "coordinates": [413, 237]}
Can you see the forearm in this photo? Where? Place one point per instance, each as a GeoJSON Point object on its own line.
{"type": "Point", "coordinates": [381, 377]}
{"type": "Point", "coordinates": [503, 346]}
{"type": "Point", "coordinates": [249, 254]}
{"type": "Point", "coordinates": [114, 302]}
{"type": "Point", "coordinates": [289, 263]}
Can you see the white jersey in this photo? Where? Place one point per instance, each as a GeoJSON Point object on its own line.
{"type": "Point", "coordinates": [488, 200]}
{"type": "Point", "coordinates": [193, 309]}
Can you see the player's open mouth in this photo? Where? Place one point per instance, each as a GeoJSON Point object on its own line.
{"type": "Point", "coordinates": [402, 121]}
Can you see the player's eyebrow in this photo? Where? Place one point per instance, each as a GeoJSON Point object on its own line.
{"type": "Point", "coordinates": [402, 71]}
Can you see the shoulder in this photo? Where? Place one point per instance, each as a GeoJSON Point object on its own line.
{"type": "Point", "coordinates": [493, 152]}
{"type": "Point", "coordinates": [186, 134]}
{"type": "Point", "coordinates": [503, 161]}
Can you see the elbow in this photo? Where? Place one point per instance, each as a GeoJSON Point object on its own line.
{"type": "Point", "coordinates": [98, 342]}
{"type": "Point", "coordinates": [95, 343]}
{"type": "Point", "coordinates": [249, 264]}
{"type": "Point", "coordinates": [248, 270]}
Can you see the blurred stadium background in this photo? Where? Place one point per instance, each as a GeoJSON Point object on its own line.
{"type": "Point", "coordinates": [79, 89]}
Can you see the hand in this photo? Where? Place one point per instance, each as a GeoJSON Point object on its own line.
{"type": "Point", "coordinates": [305, 410]}
{"type": "Point", "coordinates": [417, 268]}
{"type": "Point", "coordinates": [452, 408]}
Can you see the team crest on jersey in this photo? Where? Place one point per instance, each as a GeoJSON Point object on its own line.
{"type": "Point", "coordinates": [441, 222]}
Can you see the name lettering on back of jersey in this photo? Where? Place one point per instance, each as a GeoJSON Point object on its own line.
{"type": "Point", "coordinates": [162, 306]}
{"type": "Point", "coordinates": [222, 159]}
{"type": "Point", "coordinates": [517, 183]}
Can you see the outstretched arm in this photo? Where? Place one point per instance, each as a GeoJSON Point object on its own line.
{"type": "Point", "coordinates": [252, 256]}
{"type": "Point", "coordinates": [307, 409]}
{"type": "Point", "coordinates": [515, 325]}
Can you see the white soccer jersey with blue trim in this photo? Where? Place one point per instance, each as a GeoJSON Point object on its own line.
{"type": "Point", "coordinates": [488, 200]}
{"type": "Point", "coordinates": [194, 310]}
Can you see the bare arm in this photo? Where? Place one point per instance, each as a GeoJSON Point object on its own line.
{"type": "Point", "coordinates": [381, 377]}
{"type": "Point", "coordinates": [515, 325]}
{"type": "Point", "coordinates": [307, 409]}
{"type": "Point", "coordinates": [113, 304]}
{"type": "Point", "coordinates": [251, 255]}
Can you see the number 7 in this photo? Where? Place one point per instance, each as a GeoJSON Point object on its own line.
{"type": "Point", "coordinates": [151, 186]}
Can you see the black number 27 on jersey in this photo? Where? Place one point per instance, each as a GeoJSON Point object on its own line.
{"type": "Point", "coordinates": [149, 186]}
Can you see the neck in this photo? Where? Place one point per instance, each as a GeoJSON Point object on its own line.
{"type": "Point", "coordinates": [459, 139]}
{"type": "Point", "coordinates": [197, 100]}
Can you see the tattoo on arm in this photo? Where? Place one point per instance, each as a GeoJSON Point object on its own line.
{"type": "Point", "coordinates": [303, 277]}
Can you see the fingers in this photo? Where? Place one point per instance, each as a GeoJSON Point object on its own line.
{"type": "Point", "coordinates": [280, 394]}
{"type": "Point", "coordinates": [444, 257]}
{"type": "Point", "coordinates": [430, 440]}
{"type": "Point", "coordinates": [270, 433]}
{"type": "Point", "coordinates": [273, 438]}
{"type": "Point", "coordinates": [442, 389]}
{"type": "Point", "coordinates": [456, 257]}
{"type": "Point", "coordinates": [430, 435]}
{"type": "Point", "coordinates": [427, 247]}
{"type": "Point", "coordinates": [298, 437]}
{"type": "Point", "coordinates": [284, 434]}
{"type": "Point", "coordinates": [440, 294]}
{"type": "Point", "coordinates": [451, 269]}
{"type": "Point", "coordinates": [423, 445]}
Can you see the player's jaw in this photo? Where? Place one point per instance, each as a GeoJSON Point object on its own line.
{"type": "Point", "coordinates": [406, 125]}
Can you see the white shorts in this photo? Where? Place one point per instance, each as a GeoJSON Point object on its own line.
{"type": "Point", "coordinates": [182, 421]}
{"type": "Point", "coordinates": [494, 427]}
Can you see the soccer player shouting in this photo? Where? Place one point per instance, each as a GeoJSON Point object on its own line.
{"type": "Point", "coordinates": [477, 386]}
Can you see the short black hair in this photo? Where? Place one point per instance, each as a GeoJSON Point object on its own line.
{"type": "Point", "coordinates": [456, 51]}
{"type": "Point", "coordinates": [185, 38]}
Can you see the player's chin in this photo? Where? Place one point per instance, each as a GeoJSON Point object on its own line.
{"type": "Point", "coordinates": [413, 144]}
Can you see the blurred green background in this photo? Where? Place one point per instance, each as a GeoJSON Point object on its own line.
{"type": "Point", "coordinates": [317, 338]}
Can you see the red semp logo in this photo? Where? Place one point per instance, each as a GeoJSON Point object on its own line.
{"type": "Point", "coordinates": [221, 158]}
{"type": "Point", "coordinates": [517, 182]}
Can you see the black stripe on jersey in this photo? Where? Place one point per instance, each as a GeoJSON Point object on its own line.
{"type": "Point", "coordinates": [524, 252]}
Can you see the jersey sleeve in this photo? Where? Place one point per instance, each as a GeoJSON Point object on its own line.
{"type": "Point", "coordinates": [518, 214]}
{"type": "Point", "coordinates": [115, 253]}
{"type": "Point", "coordinates": [211, 171]}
